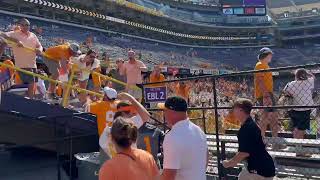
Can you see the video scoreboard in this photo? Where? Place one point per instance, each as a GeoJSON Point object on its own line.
{"type": "Point", "coordinates": [244, 7]}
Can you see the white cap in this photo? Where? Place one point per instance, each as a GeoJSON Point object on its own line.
{"type": "Point", "coordinates": [75, 48]}
{"type": "Point", "coordinates": [111, 93]}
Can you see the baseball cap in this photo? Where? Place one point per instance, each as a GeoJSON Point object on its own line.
{"type": "Point", "coordinates": [111, 93]}
{"type": "Point", "coordinates": [174, 103]}
{"type": "Point", "coordinates": [264, 50]}
{"type": "Point", "coordinates": [75, 48]}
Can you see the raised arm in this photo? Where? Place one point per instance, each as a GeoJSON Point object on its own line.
{"type": "Point", "coordinates": [144, 114]}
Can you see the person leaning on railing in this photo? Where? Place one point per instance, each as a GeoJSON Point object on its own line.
{"type": "Point", "coordinates": [25, 58]}
{"type": "Point", "coordinates": [86, 62]}
{"type": "Point", "coordinates": [57, 57]}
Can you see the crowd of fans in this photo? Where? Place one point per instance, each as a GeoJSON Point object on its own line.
{"type": "Point", "coordinates": [100, 74]}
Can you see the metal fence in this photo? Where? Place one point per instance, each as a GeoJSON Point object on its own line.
{"type": "Point", "coordinates": [288, 115]}
{"type": "Point", "coordinates": [41, 147]}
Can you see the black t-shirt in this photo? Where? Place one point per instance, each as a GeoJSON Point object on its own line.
{"type": "Point", "coordinates": [250, 141]}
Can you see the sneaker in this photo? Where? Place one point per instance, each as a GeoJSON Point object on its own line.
{"type": "Point", "coordinates": [277, 146]}
{"type": "Point", "coordinates": [302, 154]}
{"type": "Point", "coordinates": [52, 96]}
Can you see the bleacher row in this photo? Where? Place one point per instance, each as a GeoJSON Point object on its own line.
{"type": "Point", "coordinates": [286, 161]}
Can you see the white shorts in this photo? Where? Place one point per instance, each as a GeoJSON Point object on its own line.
{"type": "Point", "coordinates": [64, 77]}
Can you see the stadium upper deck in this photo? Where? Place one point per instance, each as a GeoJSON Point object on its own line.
{"type": "Point", "coordinates": [172, 25]}
{"type": "Point", "coordinates": [132, 21]}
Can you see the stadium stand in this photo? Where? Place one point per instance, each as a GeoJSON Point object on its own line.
{"type": "Point", "coordinates": [207, 35]}
{"type": "Point", "coordinates": [155, 45]}
{"type": "Point", "coordinates": [155, 53]}
{"type": "Point", "coordinates": [294, 8]}
{"type": "Point", "coordinates": [204, 18]}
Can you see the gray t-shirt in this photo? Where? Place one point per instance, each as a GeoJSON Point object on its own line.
{"type": "Point", "coordinates": [114, 73]}
{"type": "Point", "coordinates": [149, 139]}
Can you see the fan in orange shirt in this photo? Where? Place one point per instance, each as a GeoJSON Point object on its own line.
{"type": "Point", "coordinates": [129, 162]}
{"type": "Point", "coordinates": [183, 90]}
{"type": "Point", "coordinates": [105, 109]}
{"type": "Point", "coordinates": [156, 76]}
{"type": "Point", "coordinates": [57, 57]}
{"type": "Point", "coordinates": [11, 71]}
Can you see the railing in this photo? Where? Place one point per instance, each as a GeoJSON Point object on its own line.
{"type": "Point", "coordinates": [210, 100]}
{"type": "Point", "coordinates": [68, 85]}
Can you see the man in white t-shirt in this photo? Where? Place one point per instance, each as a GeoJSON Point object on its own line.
{"type": "Point", "coordinates": [301, 91]}
{"type": "Point", "coordinates": [185, 147]}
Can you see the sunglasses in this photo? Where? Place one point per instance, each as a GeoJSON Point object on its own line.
{"type": "Point", "coordinates": [26, 25]}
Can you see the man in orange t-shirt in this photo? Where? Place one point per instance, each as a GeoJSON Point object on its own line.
{"type": "Point", "coordinates": [183, 90]}
{"type": "Point", "coordinates": [105, 109]}
{"type": "Point", "coordinates": [263, 86]}
{"type": "Point", "coordinates": [156, 76]}
{"type": "Point", "coordinates": [57, 57]}
{"type": "Point", "coordinates": [11, 71]}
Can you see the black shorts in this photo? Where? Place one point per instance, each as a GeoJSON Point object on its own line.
{"type": "Point", "coordinates": [259, 102]}
{"type": "Point", "coordinates": [300, 119]}
{"type": "Point", "coordinates": [26, 78]}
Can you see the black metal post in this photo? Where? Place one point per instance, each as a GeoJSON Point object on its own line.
{"type": "Point", "coordinates": [215, 105]}
{"type": "Point", "coordinates": [70, 149]}
{"type": "Point", "coordinates": [204, 118]}
{"type": "Point", "coordinates": [57, 149]}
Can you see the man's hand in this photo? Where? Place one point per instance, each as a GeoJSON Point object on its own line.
{"type": "Point", "coordinates": [38, 51]}
{"type": "Point", "coordinates": [226, 164]}
{"type": "Point", "coordinates": [20, 45]}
